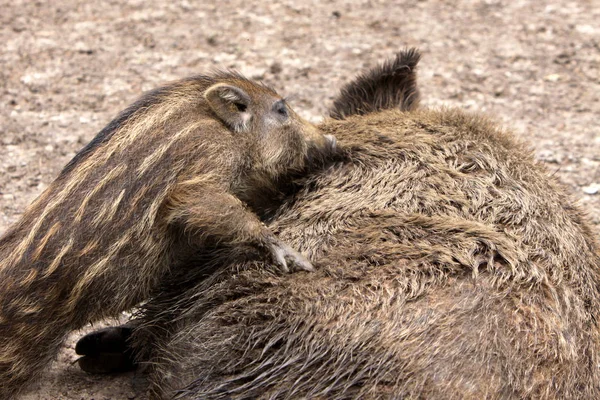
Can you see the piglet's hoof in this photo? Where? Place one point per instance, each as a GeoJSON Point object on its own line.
{"type": "Point", "coordinates": [287, 258]}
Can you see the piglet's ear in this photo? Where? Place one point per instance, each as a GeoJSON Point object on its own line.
{"type": "Point", "coordinates": [231, 104]}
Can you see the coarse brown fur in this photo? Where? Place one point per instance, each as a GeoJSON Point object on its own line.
{"type": "Point", "coordinates": [451, 265]}
{"type": "Point", "coordinates": [170, 176]}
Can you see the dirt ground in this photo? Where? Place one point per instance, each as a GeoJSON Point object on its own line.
{"type": "Point", "coordinates": [67, 67]}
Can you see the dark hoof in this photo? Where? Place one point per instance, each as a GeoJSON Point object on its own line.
{"type": "Point", "coordinates": [106, 351]}
{"type": "Point", "coordinates": [107, 340]}
{"type": "Point", "coordinates": [107, 363]}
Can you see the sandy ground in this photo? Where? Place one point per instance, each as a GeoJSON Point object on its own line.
{"type": "Point", "coordinates": [67, 67]}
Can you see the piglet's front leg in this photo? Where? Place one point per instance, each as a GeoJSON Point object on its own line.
{"type": "Point", "coordinates": [209, 212]}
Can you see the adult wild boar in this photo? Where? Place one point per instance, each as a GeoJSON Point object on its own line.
{"type": "Point", "coordinates": [450, 265]}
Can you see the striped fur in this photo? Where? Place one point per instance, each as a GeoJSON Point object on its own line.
{"type": "Point", "coordinates": [162, 181]}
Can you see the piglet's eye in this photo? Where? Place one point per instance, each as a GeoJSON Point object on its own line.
{"type": "Point", "coordinates": [280, 108]}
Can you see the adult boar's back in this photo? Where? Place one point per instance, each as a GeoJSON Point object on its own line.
{"type": "Point", "coordinates": [450, 265]}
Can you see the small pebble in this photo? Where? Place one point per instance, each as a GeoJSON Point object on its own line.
{"type": "Point", "coordinates": [594, 188]}
{"type": "Point", "coordinates": [276, 68]}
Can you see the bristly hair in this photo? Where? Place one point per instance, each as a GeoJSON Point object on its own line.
{"type": "Point", "coordinates": [390, 85]}
{"type": "Point", "coordinates": [146, 100]}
